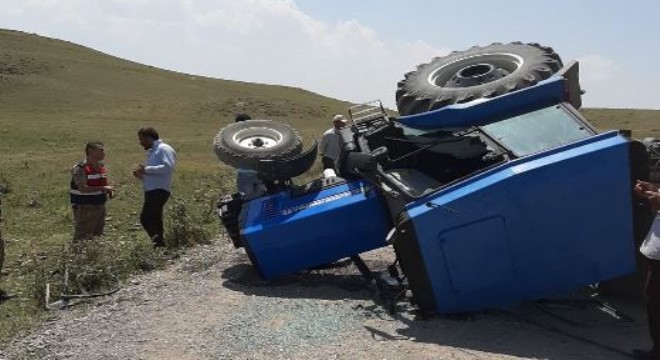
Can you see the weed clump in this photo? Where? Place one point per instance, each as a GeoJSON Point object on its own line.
{"type": "Point", "coordinates": [5, 186]}
{"type": "Point", "coordinates": [91, 265]}
{"type": "Point", "coordinates": [85, 267]}
{"type": "Point", "coordinates": [186, 224]}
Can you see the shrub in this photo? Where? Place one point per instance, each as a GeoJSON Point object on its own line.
{"type": "Point", "coordinates": [90, 264]}
{"type": "Point", "coordinates": [139, 255]}
{"type": "Point", "coordinates": [186, 225]}
{"type": "Point", "coordinates": [5, 186]}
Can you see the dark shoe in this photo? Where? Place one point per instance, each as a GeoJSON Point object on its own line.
{"type": "Point", "coordinates": [158, 241]}
{"type": "Point", "coordinates": [642, 354]}
{"type": "Point", "coordinates": [5, 296]}
{"type": "Point", "coordinates": [170, 255]}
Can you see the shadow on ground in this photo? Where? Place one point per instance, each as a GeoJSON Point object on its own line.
{"type": "Point", "coordinates": [544, 330]}
{"type": "Point", "coordinates": [336, 282]}
{"type": "Point", "coordinates": [579, 327]}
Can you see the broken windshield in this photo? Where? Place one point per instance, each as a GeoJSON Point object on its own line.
{"type": "Point", "coordinates": [538, 130]}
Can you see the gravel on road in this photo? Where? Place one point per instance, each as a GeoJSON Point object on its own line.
{"type": "Point", "coordinates": [210, 304]}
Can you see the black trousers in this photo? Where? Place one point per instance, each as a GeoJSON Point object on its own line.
{"type": "Point", "coordinates": [652, 290]}
{"type": "Point", "coordinates": [151, 217]}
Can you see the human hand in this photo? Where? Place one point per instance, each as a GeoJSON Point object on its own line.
{"type": "Point", "coordinates": [110, 191]}
{"type": "Point", "coordinates": [642, 187]}
{"type": "Point", "coordinates": [647, 186]}
{"type": "Point", "coordinates": [138, 172]}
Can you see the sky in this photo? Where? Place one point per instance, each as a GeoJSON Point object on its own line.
{"type": "Point", "coordinates": [357, 50]}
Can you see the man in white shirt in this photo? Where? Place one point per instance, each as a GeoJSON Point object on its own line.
{"type": "Point", "coordinates": [331, 143]}
{"type": "Point", "coordinates": [156, 175]}
{"type": "Point", "coordinates": [651, 250]}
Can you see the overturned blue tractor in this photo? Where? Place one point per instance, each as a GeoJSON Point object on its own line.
{"type": "Point", "coordinates": [490, 186]}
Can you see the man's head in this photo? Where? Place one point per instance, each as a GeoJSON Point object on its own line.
{"type": "Point", "coordinates": [338, 121]}
{"type": "Point", "coordinates": [147, 136]}
{"type": "Point", "coordinates": [242, 117]}
{"type": "Point", "coordinates": [94, 151]}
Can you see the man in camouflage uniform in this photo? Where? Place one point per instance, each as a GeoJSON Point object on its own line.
{"type": "Point", "coordinates": [89, 192]}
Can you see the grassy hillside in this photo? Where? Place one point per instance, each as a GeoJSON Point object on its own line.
{"type": "Point", "coordinates": [55, 96]}
{"type": "Point", "coordinates": [644, 123]}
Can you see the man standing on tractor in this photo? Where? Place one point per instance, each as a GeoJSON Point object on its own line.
{"type": "Point", "coordinates": [89, 191]}
{"type": "Point", "coordinates": [331, 143]}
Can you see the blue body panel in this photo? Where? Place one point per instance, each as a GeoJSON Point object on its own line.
{"type": "Point", "coordinates": [484, 111]}
{"type": "Point", "coordinates": [529, 228]}
{"type": "Point", "coordinates": [284, 235]}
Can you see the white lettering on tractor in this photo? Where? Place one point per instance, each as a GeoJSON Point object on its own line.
{"type": "Point", "coordinates": [317, 202]}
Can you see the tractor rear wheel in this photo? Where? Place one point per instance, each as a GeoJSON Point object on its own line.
{"type": "Point", "coordinates": [480, 72]}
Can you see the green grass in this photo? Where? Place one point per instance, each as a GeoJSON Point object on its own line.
{"type": "Point", "coordinates": [643, 123]}
{"type": "Point", "coordinates": [55, 96]}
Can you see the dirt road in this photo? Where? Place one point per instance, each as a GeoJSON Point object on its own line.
{"type": "Point", "coordinates": [209, 304]}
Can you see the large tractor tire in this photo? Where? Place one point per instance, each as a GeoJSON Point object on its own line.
{"type": "Point", "coordinates": [480, 72]}
{"type": "Point", "coordinates": [244, 143]}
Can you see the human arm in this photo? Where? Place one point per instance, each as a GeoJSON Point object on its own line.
{"type": "Point", "coordinates": [80, 179]}
{"type": "Point", "coordinates": [323, 145]}
{"type": "Point", "coordinates": [641, 186]}
{"type": "Point", "coordinates": [654, 200]}
{"type": "Point", "coordinates": [165, 158]}
{"type": "Point", "coordinates": [649, 192]}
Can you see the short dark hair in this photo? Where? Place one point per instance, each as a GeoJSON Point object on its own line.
{"type": "Point", "coordinates": [242, 117]}
{"type": "Point", "coordinates": [92, 145]}
{"type": "Point", "coordinates": [148, 132]}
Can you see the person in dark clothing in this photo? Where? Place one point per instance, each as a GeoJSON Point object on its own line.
{"type": "Point", "coordinates": [242, 117]}
{"type": "Point", "coordinates": [651, 250]}
{"type": "Point", "coordinates": [156, 175]}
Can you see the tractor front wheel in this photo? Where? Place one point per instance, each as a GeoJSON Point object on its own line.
{"type": "Point", "coordinates": [243, 144]}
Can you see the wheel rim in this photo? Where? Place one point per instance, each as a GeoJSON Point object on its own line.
{"type": "Point", "coordinates": [475, 70]}
{"type": "Point", "coordinates": [258, 138]}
